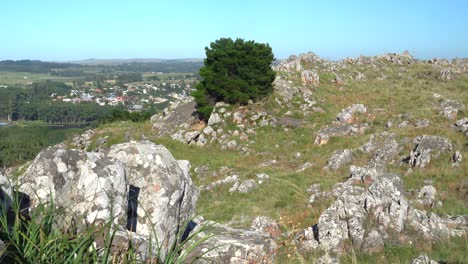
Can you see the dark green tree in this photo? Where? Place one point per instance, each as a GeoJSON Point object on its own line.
{"type": "Point", "coordinates": [234, 72]}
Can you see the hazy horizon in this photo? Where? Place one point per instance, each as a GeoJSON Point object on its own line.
{"type": "Point", "coordinates": [52, 30]}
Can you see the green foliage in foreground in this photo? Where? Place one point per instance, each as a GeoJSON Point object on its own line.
{"type": "Point", "coordinates": [234, 72]}
{"type": "Point", "coordinates": [37, 237]}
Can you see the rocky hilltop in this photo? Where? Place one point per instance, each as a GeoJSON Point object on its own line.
{"type": "Point", "coordinates": [355, 160]}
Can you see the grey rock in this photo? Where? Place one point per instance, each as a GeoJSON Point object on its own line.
{"type": "Point", "coordinates": [339, 158]}
{"type": "Point", "coordinates": [288, 122]}
{"type": "Point", "coordinates": [215, 119]}
{"type": "Point", "coordinates": [450, 108]}
{"type": "Point", "coordinates": [284, 89]}
{"type": "Point", "coordinates": [446, 74]}
{"type": "Point", "coordinates": [383, 204]}
{"type": "Point", "coordinates": [222, 244]}
{"type": "Point", "coordinates": [262, 177]}
{"type": "Point", "coordinates": [347, 115]}
{"type": "Point", "coordinates": [426, 196]}
{"type": "Point", "coordinates": [263, 224]}
{"type": "Point", "coordinates": [304, 167]}
{"type": "Point", "coordinates": [423, 259]}
{"type": "Point", "coordinates": [422, 123]}
{"type": "Point", "coordinates": [310, 77]}
{"type": "Point", "coordinates": [181, 114]}
{"type": "Point", "coordinates": [202, 170]}
{"type": "Point", "coordinates": [457, 159]}
{"type": "Point", "coordinates": [83, 141]}
{"type": "Point", "coordinates": [373, 243]}
{"type": "Point", "coordinates": [191, 136]}
{"type": "Point", "coordinates": [427, 147]}
{"type": "Point", "coordinates": [327, 259]}
{"type": "Point", "coordinates": [324, 134]}
{"type": "Point", "coordinates": [208, 130]}
{"type": "Point", "coordinates": [292, 64]}
{"type": "Point", "coordinates": [232, 144]}
{"type": "Point", "coordinates": [403, 124]}
{"type": "Point", "coordinates": [385, 152]}
{"type": "Point", "coordinates": [228, 179]}
{"type": "Point", "coordinates": [462, 125]}
{"type": "Point", "coordinates": [247, 186]}
{"type": "Point", "coordinates": [94, 187]}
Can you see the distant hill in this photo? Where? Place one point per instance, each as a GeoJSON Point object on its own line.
{"type": "Point", "coordinates": [32, 66]}
{"type": "Point", "coordinates": [189, 65]}
{"type": "Point", "coordinates": [126, 61]}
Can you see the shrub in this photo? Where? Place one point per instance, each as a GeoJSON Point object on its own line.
{"type": "Point", "coordinates": [234, 72]}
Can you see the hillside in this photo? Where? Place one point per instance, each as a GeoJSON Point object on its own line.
{"type": "Point", "coordinates": [352, 161]}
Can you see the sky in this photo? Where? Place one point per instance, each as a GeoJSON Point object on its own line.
{"type": "Point", "coordinates": [59, 30]}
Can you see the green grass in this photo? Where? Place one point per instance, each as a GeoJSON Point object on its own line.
{"type": "Point", "coordinates": [23, 78]}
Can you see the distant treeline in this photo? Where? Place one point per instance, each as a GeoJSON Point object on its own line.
{"type": "Point", "coordinates": [32, 66]}
{"type": "Point", "coordinates": [78, 70]}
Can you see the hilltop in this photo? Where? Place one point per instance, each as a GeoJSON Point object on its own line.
{"type": "Point", "coordinates": [349, 161]}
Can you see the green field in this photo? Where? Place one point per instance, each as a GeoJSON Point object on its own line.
{"type": "Point", "coordinates": [24, 78]}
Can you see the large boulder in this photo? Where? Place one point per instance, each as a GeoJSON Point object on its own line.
{"type": "Point", "coordinates": [138, 186]}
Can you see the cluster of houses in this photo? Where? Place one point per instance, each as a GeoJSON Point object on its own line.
{"type": "Point", "coordinates": [134, 96]}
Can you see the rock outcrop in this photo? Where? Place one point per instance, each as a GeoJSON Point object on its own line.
{"type": "Point", "coordinates": [339, 158]}
{"type": "Point", "coordinates": [367, 217]}
{"type": "Point", "coordinates": [324, 134]}
{"type": "Point", "coordinates": [232, 245]}
{"type": "Point", "coordinates": [347, 115]}
{"type": "Point", "coordinates": [179, 114]}
{"type": "Point", "coordinates": [427, 147]}
{"type": "Point", "coordinates": [138, 186]}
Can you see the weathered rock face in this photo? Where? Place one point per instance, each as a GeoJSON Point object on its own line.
{"type": "Point", "coordinates": [324, 134]}
{"type": "Point", "coordinates": [450, 108]}
{"type": "Point", "coordinates": [423, 259]}
{"type": "Point", "coordinates": [138, 185]}
{"type": "Point", "coordinates": [347, 115]}
{"type": "Point", "coordinates": [427, 147]}
{"type": "Point", "coordinates": [339, 158]}
{"type": "Point", "coordinates": [284, 89]}
{"type": "Point", "coordinates": [94, 184]}
{"type": "Point", "coordinates": [446, 74]}
{"type": "Point", "coordinates": [462, 125]}
{"type": "Point", "coordinates": [181, 115]}
{"type": "Point", "coordinates": [310, 77]}
{"type": "Point", "coordinates": [426, 196]}
{"type": "Point", "coordinates": [83, 141]}
{"type": "Point", "coordinates": [367, 217]}
{"type": "Point", "coordinates": [236, 246]}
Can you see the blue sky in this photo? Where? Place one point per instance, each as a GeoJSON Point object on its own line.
{"type": "Point", "coordinates": [81, 29]}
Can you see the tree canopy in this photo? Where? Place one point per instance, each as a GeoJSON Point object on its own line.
{"type": "Point", "coordinates": [234, 72]}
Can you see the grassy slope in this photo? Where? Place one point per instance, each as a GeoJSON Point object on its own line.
{"type": "Point", "coordinates": [284, 197]}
